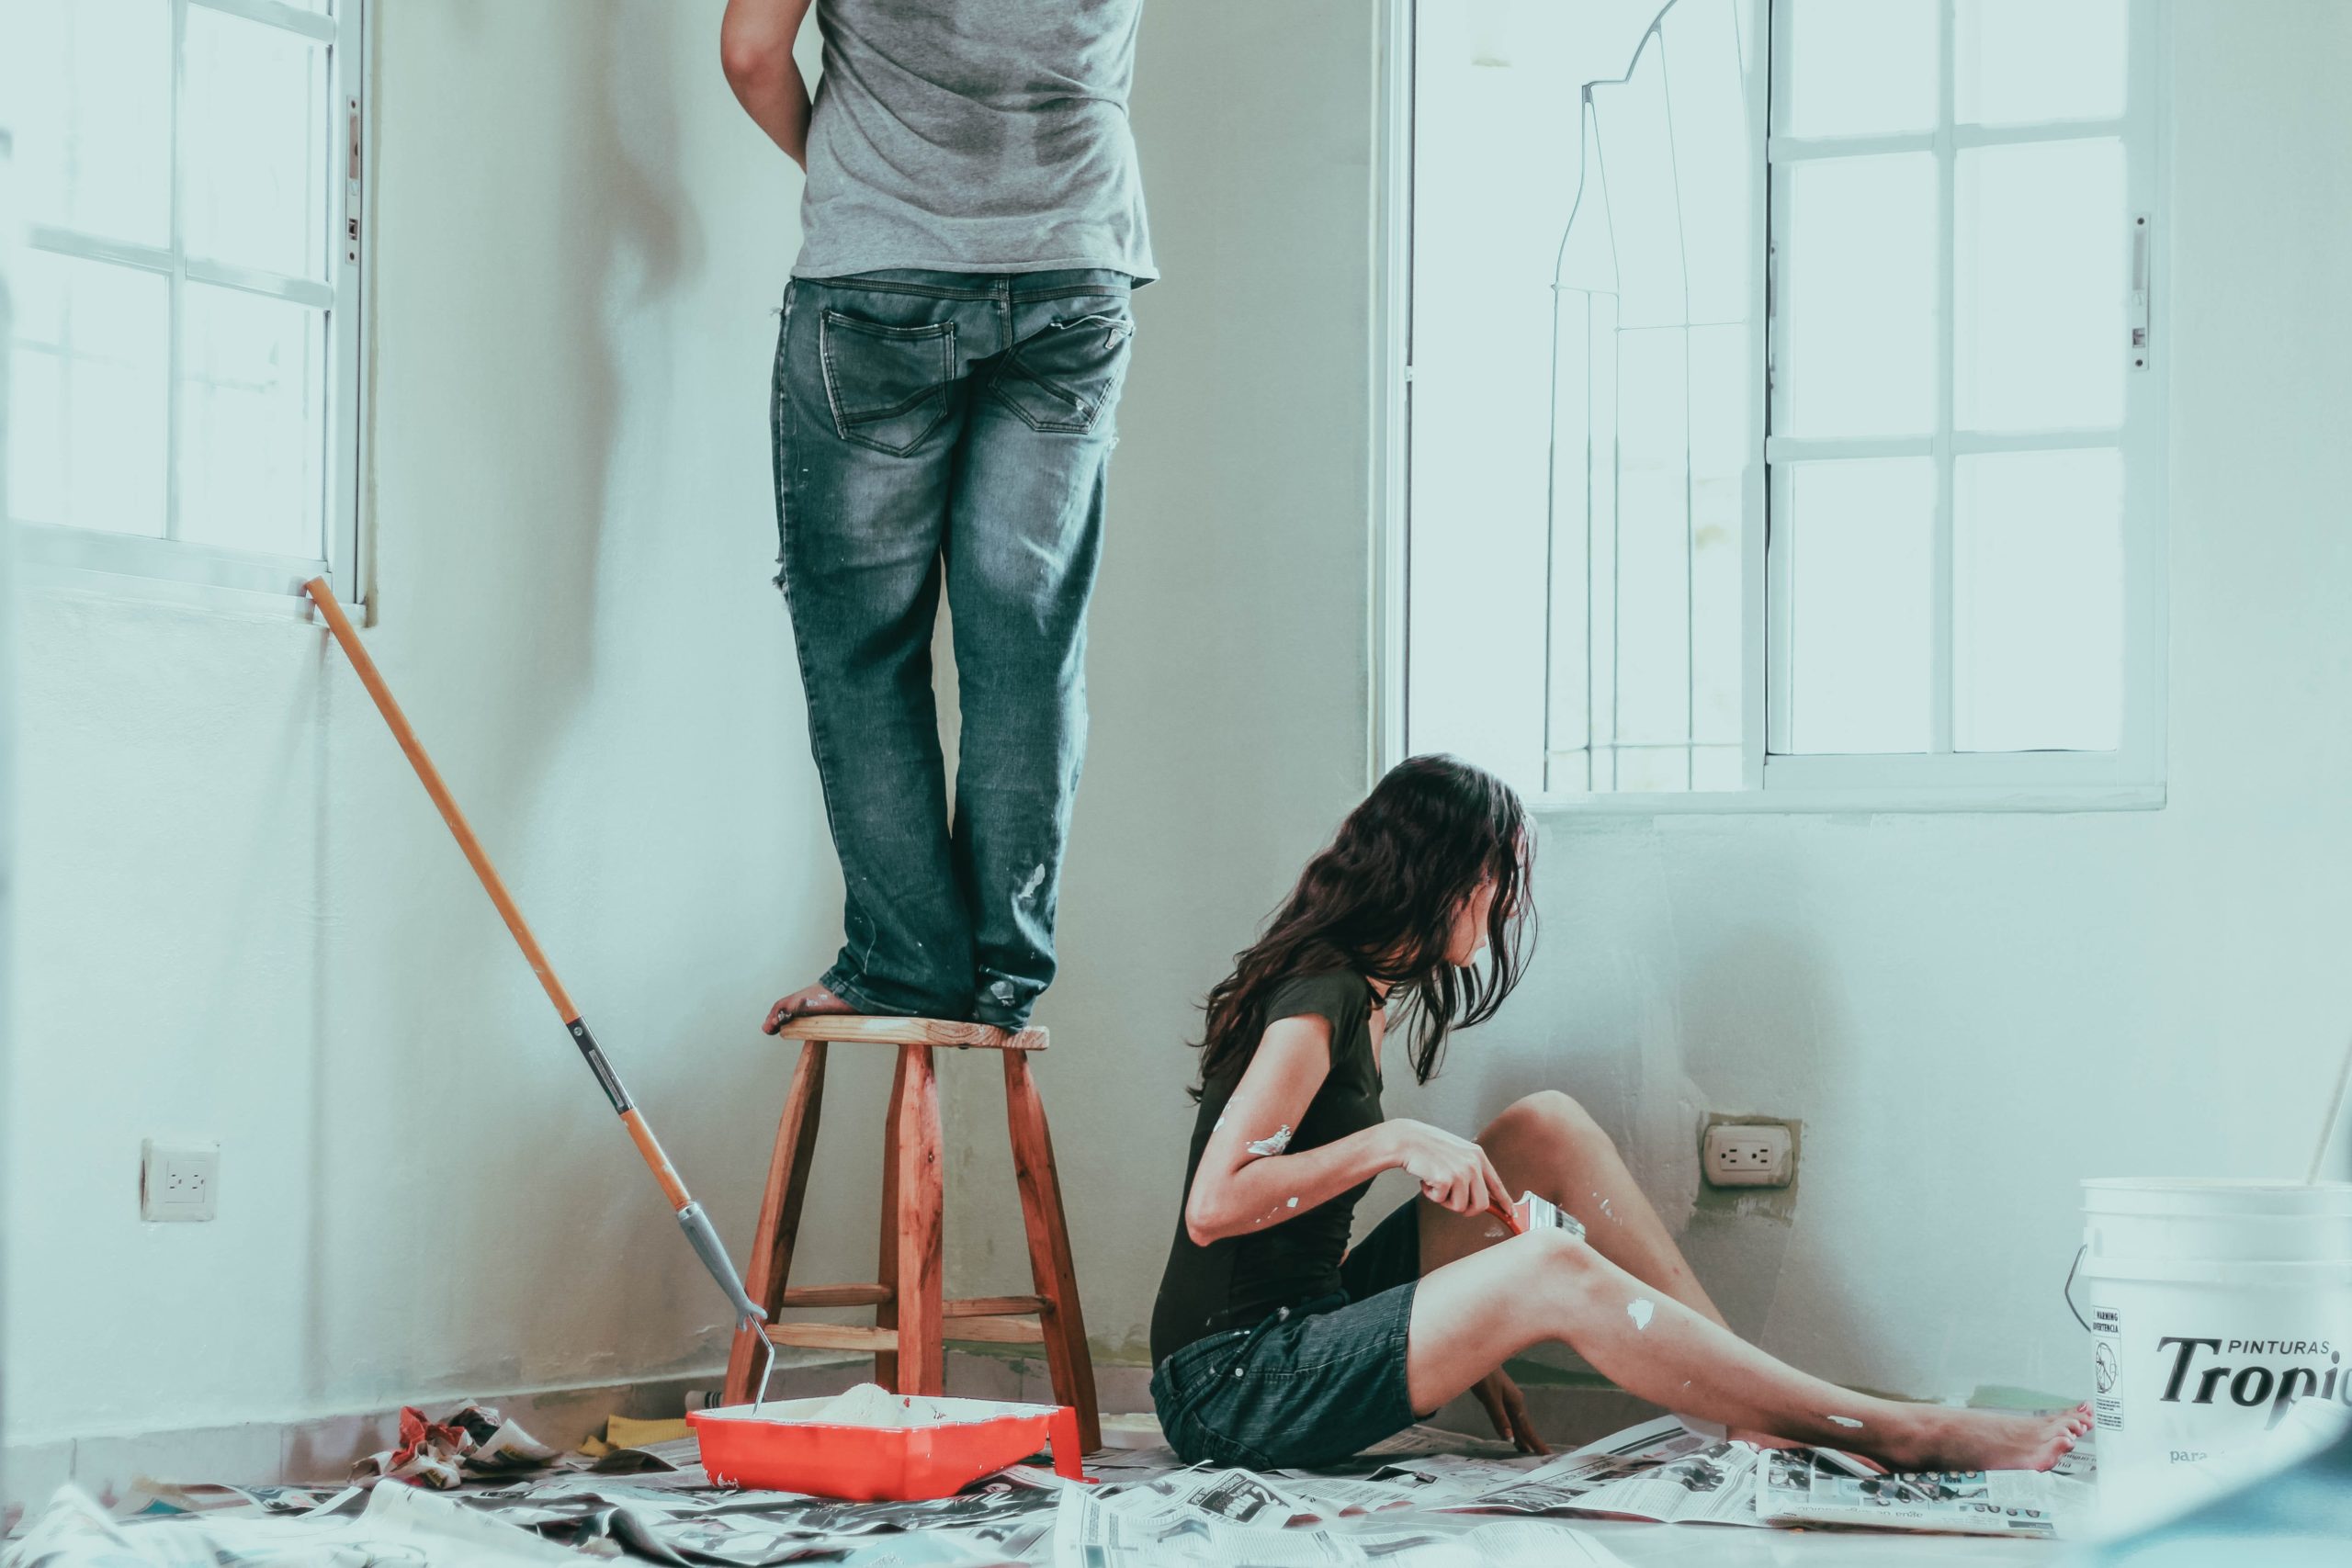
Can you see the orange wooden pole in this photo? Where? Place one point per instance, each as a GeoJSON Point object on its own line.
{"type": "Point", "coordinates": [698, 1226]}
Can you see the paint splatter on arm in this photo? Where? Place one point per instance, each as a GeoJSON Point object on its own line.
{"type": "Point", "coordinates": [1272, 1143]}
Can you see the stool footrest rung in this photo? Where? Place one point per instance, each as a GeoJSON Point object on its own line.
{"type": "Point", "coordinates": [995, 1306]}
{"type": "Point", "coordinates": [994, 1330]}
{"type": "Point", "coordinates": [833, 1335]}
{"type": "Point", "coordinates": [796, 1296]}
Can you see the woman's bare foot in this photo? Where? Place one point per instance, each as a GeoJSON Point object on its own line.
{"type": "Point", "coordinates": [1940, 1439]}
{"type": "Point", "coordinates": [802, 1003]}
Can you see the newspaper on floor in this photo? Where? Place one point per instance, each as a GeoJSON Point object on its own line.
{"type": "Point", "coordinates": [473, 1439]}
{"type": "Point", "coordinates": [1794, 1486]}
{"type": "Point", "coordinates": [751, 1529]}
{"type": "Point", "coordinates": [1094, 1529]}
{"type": "Point", "coordinates": [397, 1525]}
{"type": "Point", "coordinates": [1659, 1471]}
{"type": "Point", "coordinates": [1662, 1472]}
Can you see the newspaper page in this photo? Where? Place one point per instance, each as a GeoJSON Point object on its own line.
{"type": "Point", "coordinates": [1696, 1482]}
{"type": "Point", "coordinates": [399, 1524]}
{"type": "Point", "coordinates": [752, 1530]}
{"type": "Point", "coordinates": [1794, 1486]}
{"type": "Point", "coordinates": [1093, 1531]}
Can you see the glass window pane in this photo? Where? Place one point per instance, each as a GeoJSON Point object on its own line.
{"type": "Point", "coordinates": [252, 422]}
{"type": "Point", "coordinates": [89, 362]}
{"type": "Point", "coordinates": [1858, 537]}
{"type": "Point", "coordinates": [2038, 601]}
{"type": "Point", "coordinates": [1859, 307]}
{"type": "Point", "coordinates": [254, 161]}
{"type": "Point", "coordinates": [1861, 67]}
{"type": "Point", "coordinates": [2040, 277]}
{"type": "Point", "coordinates": [87, 90]}
{"type": "Point", "coordinates": [2016, 62]}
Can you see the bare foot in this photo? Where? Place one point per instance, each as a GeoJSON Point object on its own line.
{"type": "Point", "coordinates": [1982, 1439]}
{"type": "Point", "coordinates": [802, 1003]}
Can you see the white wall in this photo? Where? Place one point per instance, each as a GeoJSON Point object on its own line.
{"type": "Point", "coordinates": [247, 923]}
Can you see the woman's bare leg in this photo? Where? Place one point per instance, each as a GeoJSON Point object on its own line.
{"type": "Point", "coordinates": [1473, 1313]}
{"type": "Point", "coordinates": [1548, 1144]}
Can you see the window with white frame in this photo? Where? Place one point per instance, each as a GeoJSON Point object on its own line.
{"type": "Point", "coordinates": [186, 360]}
{"type": "Point", "coordinates": [1781, 401]}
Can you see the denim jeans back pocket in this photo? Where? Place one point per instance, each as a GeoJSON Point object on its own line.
{"type": "Point", "coordinates": [888, 385]}
{"type": "Point", "coordinates": [1067, 377]}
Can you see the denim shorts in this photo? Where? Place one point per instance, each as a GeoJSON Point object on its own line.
{"type": "Point", "coordinates": [1311, 1384]}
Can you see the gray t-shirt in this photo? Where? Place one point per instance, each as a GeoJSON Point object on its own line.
{"type": "Point", "coordinates": [974, 136]}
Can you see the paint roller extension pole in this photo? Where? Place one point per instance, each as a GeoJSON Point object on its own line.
{"type": "Point", "coordinates": [700, 1235]}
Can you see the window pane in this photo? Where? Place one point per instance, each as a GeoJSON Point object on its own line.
{"type": "Point", "coordinates": [87, 88]}
{"type": "Point", "coordinates": [89, 399]}
{"type": "Point", "coordinates": [2015, 62]}
{"type": "Point", "coordinates": [2039, 279]}
{"type": "Point", "coordinates": [1860, 308]}
{"type": "Point", "coordinates": [1861, 67]}
{"type": "Point", "coordinates": [2038, 601]}
{"type": "Point", "coordinates": [254, 160]}
{"type": "Point", "coordinates": [252, 422]}
{"type": "Point", "coordinates": [1857, 537]}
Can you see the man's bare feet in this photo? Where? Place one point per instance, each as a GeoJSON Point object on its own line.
{"type": "Point", "coordinates": [1940, 1439]}
{"type": "Point", "coordinates": [802, 1003]}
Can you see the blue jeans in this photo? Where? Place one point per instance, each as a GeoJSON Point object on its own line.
{"type": "Point", "coordinates": [941, 427]}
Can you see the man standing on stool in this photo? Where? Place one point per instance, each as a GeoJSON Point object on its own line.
{"type": "Point", "coordinates": [955, 332]}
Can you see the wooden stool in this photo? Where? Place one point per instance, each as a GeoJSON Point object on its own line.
{"type": "Point", "coordinates": [912, 1321]}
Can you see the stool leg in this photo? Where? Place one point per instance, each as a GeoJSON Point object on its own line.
{"type": "Point", "coordinates": [922, 1351]}
{"type": "Point", "coordinates": [796, 1144]}
{"type": "Point", "coordinates": [885, 1316]}
{"type": "Point", "coordinates": [1067, 1360]}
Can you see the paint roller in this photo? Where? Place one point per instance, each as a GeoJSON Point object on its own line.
{"type": "Point", "coordinates": [700, 1235]}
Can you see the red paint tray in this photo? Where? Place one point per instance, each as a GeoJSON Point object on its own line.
{"type": "Point", "coordinates": [780, 1449]}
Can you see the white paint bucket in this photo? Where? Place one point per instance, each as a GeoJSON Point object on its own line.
{"type": "Point", "coordinates": [2214, 1307]}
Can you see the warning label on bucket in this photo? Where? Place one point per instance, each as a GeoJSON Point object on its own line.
{"type": "Point", "coordinates": [2106, 1401]}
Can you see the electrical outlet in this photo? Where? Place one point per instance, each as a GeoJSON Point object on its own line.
{"type": "Point", "coordinates": [1749, 1154]}
{"type": "Point", "coordinates": [179, 1181]}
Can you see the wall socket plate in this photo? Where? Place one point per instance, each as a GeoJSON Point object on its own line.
{"type": "Point", "coordinates": [1747, 1154]}
{"type": "Point", "coordinates": [179, 1180]}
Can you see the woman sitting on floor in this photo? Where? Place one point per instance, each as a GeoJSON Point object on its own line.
{"type": "Point", "coordinates": [1272, 1345]}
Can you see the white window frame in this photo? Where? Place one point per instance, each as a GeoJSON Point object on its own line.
{"type": "Point", "coordinates": [185, 569]}
{"type": "Point", "coordinates": [2130, 778]}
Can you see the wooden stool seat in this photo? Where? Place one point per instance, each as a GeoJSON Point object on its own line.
{"type": "Point", "coordinates": [913, 1320]}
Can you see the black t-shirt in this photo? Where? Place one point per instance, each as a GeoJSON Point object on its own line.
{"type": "Point", "coordinates": [1239, 1280]}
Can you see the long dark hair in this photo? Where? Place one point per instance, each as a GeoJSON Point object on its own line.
{"type": "Point", "coordinates": [1380, 900]}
